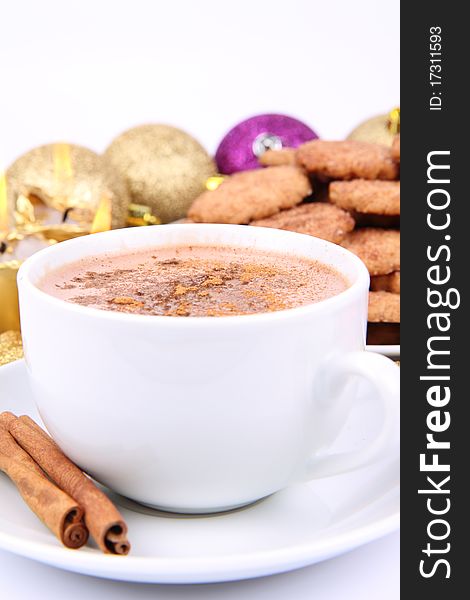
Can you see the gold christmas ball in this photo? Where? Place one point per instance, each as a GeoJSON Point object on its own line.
{"type": "Point", "coordinates": [11, 347]}
{"type": "Point", "coordinates": [66, 184]}
{"type": "Point", "coordinates": [378, 130]}
{"type": "Point", "coordinates": [165, 168]}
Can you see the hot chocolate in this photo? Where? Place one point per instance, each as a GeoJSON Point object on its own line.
{"type": "Point", "coordinates": [194, 281]}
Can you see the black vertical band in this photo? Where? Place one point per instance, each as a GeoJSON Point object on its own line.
{"type": "Point", "coordinates": [435, 351]}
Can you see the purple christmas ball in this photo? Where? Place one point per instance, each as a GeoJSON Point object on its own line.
{"type": "Point", "coordinates": [240, 148]}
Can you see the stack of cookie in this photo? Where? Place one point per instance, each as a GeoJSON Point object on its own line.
{"type": "Point", "coordinates": [356, 203]}
{"type": "Point", "coordinates": [363, 180]}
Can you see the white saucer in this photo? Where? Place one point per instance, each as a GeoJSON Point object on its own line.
{"type": "Point", "coordinates": [391, 350]}
{"type": "Point", "coordinates": [301, 525]}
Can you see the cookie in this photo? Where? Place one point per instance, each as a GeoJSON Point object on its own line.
{"type": "Point", "coordinates": [250, 195]}
{"type": "Point", "coordinates": [386, 283]}
{"type": "Point", "coordinates": [274, 158]}
{"type": "Point", "coordinates": [369, 197]}
{"type": "Point", "coordinates": [384, 307]}
{"type": "Point", "coordinates": [319, 219]}
{"type": "Point", "coordinates": [347, 160]}
{"type": "Point", "coordinates": [379, 249]}
{"type": "Point", "coordinates": [396, 148]}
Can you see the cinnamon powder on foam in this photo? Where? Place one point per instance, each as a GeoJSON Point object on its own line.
{"type": "Point", "coordinates": [194, 281]}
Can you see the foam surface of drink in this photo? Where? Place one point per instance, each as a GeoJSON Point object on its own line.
{"type": "Point", "coordinates": [194, 281]}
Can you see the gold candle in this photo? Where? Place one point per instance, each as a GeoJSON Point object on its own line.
{"type": "Point", "coordinates": [15, 246]}
{"type": "Point", "coordinates": [9, 314]}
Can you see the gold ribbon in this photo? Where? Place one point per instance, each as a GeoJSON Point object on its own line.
{"type": "Point", "coordinates": [141, 215]}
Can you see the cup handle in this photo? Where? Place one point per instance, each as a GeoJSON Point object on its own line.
{"type": "Point", "coordinates": [384, 376]}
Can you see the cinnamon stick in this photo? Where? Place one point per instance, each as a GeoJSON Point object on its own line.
{"type": "Point", "coordinates": [103, 520]}
{"type": "Point", "coordinates": [60, 513]}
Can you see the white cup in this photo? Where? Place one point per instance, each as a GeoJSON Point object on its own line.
{"type": "Point", "coordinates": [204, 414]}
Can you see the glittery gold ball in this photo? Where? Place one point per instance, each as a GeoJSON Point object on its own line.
{"type": "Point", "coordinates": [11, 347]}
{"type": "Point", "coordinates": [165, 168]}
{"type": "Point", "coordinates": [65, 176]}
{"type": "Point", "coordinates": [378, 130]}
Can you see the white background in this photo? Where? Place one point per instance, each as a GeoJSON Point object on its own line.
{"type": "Point", "coordinates": [84, 70]}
